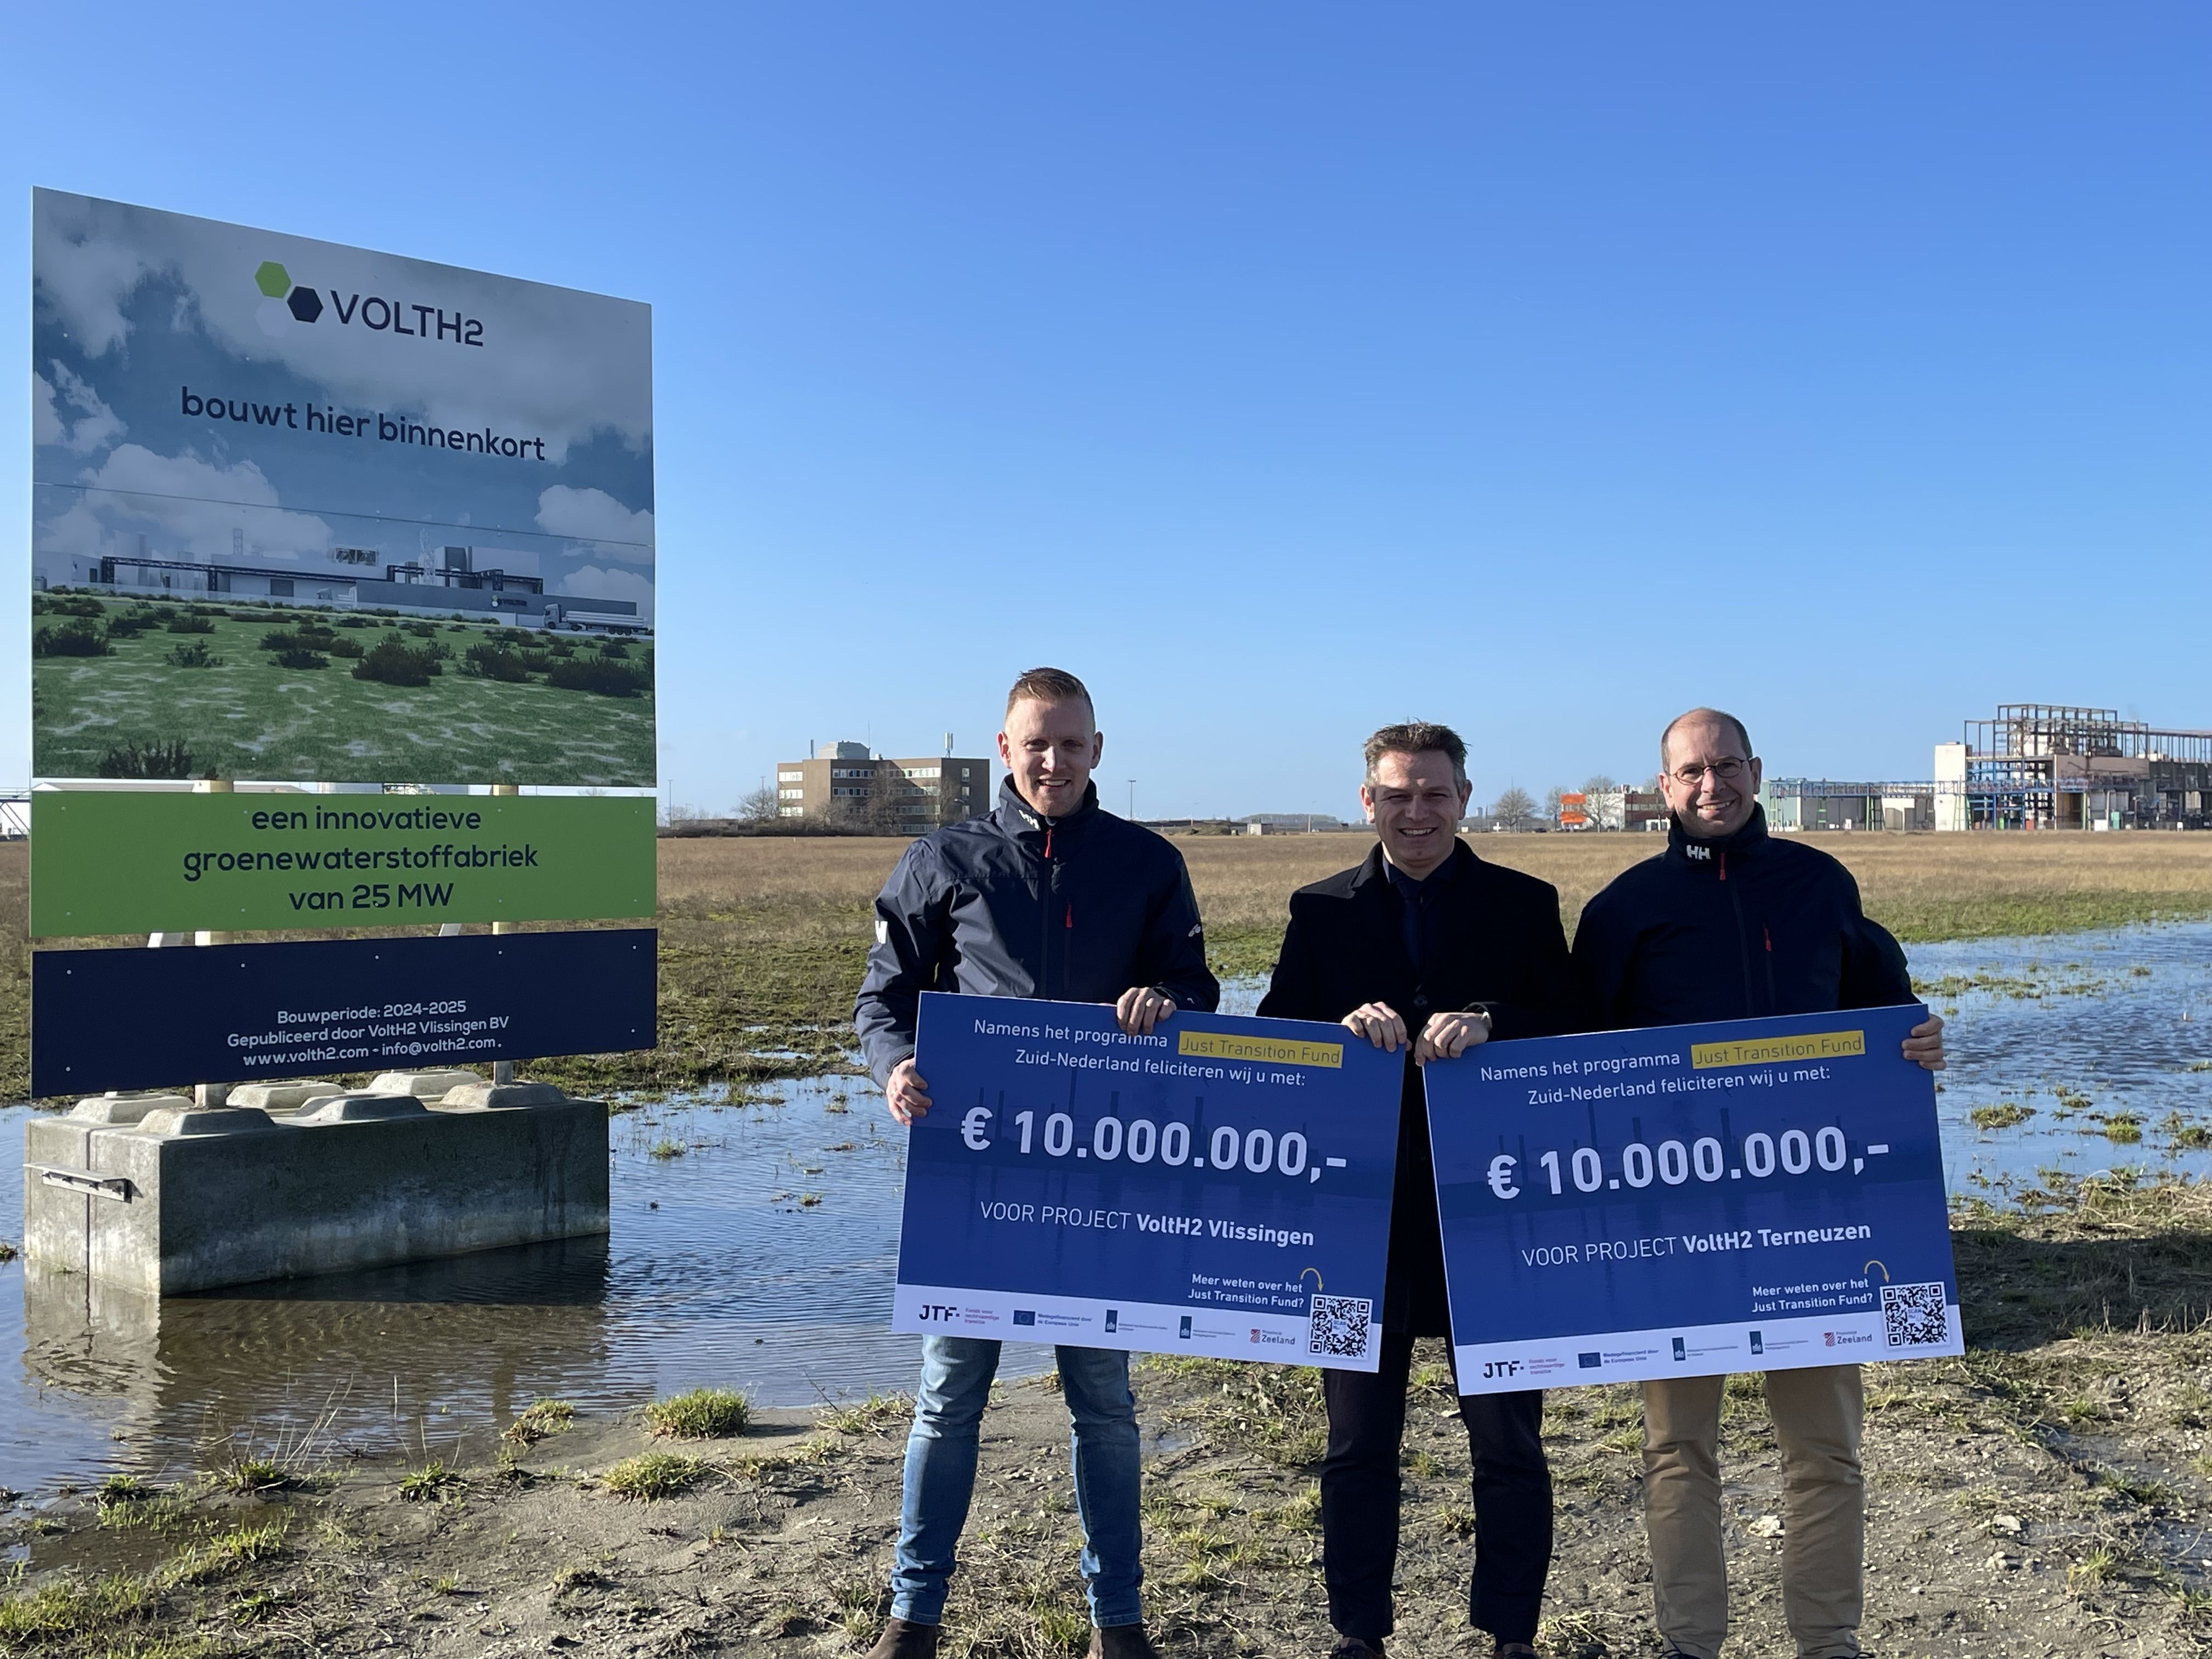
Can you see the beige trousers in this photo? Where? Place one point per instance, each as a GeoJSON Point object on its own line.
{"type": "Point", "coordinates": [1818, 1415]}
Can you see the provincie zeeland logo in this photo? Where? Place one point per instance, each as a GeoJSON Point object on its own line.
{"type": "Point", "coordinates": [284, 302]}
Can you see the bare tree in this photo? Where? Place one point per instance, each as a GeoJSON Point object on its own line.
{"type": "Point", "coordinates": [1554, 803]}
{"type": "Point", "coordinates": [1514, 809]}
{"type": "Point", "coordinates": [761, 808]}
{"type": "Point", "coordinates": [1599, 785]}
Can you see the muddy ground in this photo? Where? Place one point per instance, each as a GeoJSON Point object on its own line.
{"type": "Point", "coordinates": [2045, 1494]}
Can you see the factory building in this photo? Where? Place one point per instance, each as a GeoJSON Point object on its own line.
{"type": "Point", "coordinates": [2030, 766]}
{"type": "Point", "coordinates": [2052, 766]}
{"type": "Point", "coordinates": [454, 581]}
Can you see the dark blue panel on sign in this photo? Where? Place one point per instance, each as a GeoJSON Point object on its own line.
{"type": "Point", "coordinates": [233, 1013]}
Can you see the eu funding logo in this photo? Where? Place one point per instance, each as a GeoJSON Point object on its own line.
{"type": "Point", "coordinates": [284, 302]}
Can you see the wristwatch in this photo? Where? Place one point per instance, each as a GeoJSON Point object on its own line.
{"type": "Point", "coordinates": [1489, 1025]}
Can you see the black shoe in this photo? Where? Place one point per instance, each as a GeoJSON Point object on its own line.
{"type": "Point", "coordinates": [1354, 1647]}
{"type": "Point", "coordinates": [903, 1640]}
{"type": "Point", "coordinates": [1122, 1642]}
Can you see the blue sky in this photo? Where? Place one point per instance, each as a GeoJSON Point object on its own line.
{"type": "Point", "coordinates": [1286, 370]}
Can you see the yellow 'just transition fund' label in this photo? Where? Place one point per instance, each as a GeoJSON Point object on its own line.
{"type": "Point", "coordinates": [1275, 1051]}
{"type": "Point", "coordinates": [1766, 1051]}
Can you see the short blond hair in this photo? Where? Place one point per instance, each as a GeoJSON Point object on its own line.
{"type": "Point", "coordinates": [1050, 685]}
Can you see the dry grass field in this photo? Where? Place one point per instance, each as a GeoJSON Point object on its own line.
{"type": "Point", "coordinates": [763, 939]}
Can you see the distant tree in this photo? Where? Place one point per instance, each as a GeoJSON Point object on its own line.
{"type": "Point", "coordinates": [1514, 809]}
{"type": "Point", "coordinates": [759, 807]}
{"type": "Point", "coordinates": [1599, 785]}
{"type": "Point", "coordinates": [1554, 802]}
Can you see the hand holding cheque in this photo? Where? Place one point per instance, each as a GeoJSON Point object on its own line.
{"type": "Point", "coordinates": [1137, 1010]}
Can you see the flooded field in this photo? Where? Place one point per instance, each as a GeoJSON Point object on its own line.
{"type": "Point", "coordinates": [754, 1241]}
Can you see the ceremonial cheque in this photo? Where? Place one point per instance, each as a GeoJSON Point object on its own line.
{"type": "Point", "coordinates": [1755, 1195]}
{"type": "Point", "coordinates": [1214, 1185]}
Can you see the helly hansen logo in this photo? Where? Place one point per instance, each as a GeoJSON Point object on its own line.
{"type": "Point", "coordinates": [1694, 851]}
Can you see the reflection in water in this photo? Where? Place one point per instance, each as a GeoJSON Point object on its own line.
{"type": "Point", "coordinates": [720, 1271]}
{"type": "Point", "coordinates": [717, 1271]}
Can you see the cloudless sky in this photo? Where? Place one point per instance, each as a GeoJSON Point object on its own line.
{"type": "Point", "coordinates": [1285, 370]}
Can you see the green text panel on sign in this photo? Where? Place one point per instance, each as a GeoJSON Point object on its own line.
{"type": "Point", "coordinates": [104, 862]}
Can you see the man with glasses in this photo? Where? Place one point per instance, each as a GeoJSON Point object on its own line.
{"type": "Point", "coordinates": [1427, 948]}
{"type": "Point", "coordinates": [1728, 923]}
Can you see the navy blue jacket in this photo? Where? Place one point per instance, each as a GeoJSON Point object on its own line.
{"type": "Point", "coordinates": [1076, 909]}
{"type": "Point", "coordinates": [1735, 929]}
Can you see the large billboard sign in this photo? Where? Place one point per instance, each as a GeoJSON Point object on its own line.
{"type": "Point", "coordinates": [303, 511]}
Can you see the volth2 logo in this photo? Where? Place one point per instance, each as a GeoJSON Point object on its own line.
{"type": "Point", "coordinates": [285, 302]}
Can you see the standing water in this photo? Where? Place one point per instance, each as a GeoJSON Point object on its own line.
{"type": "Point", "coordinates": [755, 1239]}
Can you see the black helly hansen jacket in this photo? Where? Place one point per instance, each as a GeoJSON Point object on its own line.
{"type": "Point", "coordinates": [1072, 910]}
{"type": "Point", "coordinates": [1735, 928]}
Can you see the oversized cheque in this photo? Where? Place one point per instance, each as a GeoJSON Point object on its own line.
{"type": "Point", "coordinates": [1220, 1187]}
{"type": "Point", "coordinates": [1742, 1196]}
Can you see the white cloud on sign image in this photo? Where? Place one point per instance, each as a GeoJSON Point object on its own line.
{"type": "Point", "coordinates": [593, 582]}
{"type": "Point", "coordinates": [92, 426]}
{"type": "Point", "coordinates": [592, 515]}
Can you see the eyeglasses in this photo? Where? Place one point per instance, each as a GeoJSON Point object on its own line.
{"type": "Point", "coordinates": [1723, 771]}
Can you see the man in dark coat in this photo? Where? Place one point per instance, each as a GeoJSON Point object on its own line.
{"type": "Point", "coordinates": [1052, 896]}
{"type": "Point", "coordinates": [1427, 948]}
{"type": "Point", "coordinates": [1729, 923]}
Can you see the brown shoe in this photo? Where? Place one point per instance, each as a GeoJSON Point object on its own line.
{"type": "Point", "coordinates": [903, 1640]}
{"type": "Point", "coordinates": [1122, 1642]}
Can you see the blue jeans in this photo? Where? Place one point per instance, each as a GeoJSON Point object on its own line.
{"type": "Point", "coordinates": [940, 1475]}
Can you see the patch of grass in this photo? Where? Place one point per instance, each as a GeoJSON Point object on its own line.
{"type": "Point", "coordinates": [866, 1416]}
{"type": "Point", "coordinates": [250, 1475]}
{"type": "Point", "coordinates": [654, 1476]}
{"type": "Point", "coordinates": [2005, 1115]}
{"type": "Point", "coordinates": [700, 1414]}
{"type": "Point", "coordinates": [70, 1607]}
{"type": "Point", "coordinates": [541, 1420]}
{"type": "Point", "coordinates": [428, 1483]}
{"type": "Point", "coordinates": [2099, 1566]}
{"type": "Point", "coordinates": [1456, 1519]}
{"type": "Point", "coordinates": [667, 1149]}
{"type": "Point", "coordinates": [224, 1554]}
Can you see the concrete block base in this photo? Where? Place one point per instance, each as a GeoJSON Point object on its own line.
{"type": "Point", "coordinates": [186, 1200]}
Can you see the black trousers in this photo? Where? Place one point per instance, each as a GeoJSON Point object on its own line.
{"type": "Point", "coordinates": [1360, 1499]}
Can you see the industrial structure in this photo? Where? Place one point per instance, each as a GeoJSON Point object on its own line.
{"type": "Point", "coordinates": [848, 786]}
{"type": "Point", "coordinates": [451, 584]}
{"type": "Point", "coordinates": [2052, 766]}
{"type": "Point", "coordinates": [2030, 766]}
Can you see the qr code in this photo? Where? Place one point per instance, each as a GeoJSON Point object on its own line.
{"type": "Point", "coordinates": [1912, 1316]}
{"type": "Point", "coordinates": [1339, 1326]}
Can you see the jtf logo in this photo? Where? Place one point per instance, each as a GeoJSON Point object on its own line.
{"type": "Point", "coordinates": [1501, 1368]}
{"type": "Point", "coordinates": [936, 1311]}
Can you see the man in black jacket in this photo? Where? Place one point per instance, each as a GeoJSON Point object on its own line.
{"type": "Point", "coordinates": [1427, 948]}
{"type": "Point", "coordinates": [1049, 897]}
{"type": "Point", "coordinates": [1728, 923]}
